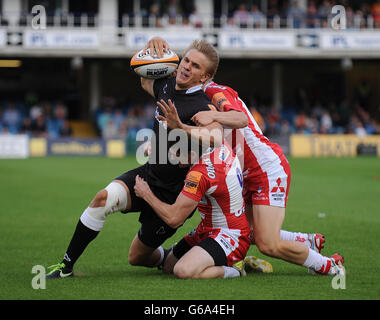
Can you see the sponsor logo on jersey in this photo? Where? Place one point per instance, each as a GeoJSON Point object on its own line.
{"type": "Point", "coordinates": [192, 182]}
{"type": "Point", "coordinates": [278, 192]}
{"type": "Point", "coordinates": [210, 168]}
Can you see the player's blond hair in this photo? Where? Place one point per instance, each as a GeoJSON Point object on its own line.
{"type": "Point", "coordinates": [209, 51]}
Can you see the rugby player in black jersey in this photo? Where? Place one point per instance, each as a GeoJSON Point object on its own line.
{"type": "Point", "coordinates": [165, 179]}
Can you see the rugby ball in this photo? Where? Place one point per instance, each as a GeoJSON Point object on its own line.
{"type": "Point", "coordinates": [153, 67]}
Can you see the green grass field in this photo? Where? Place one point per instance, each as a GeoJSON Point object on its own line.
{"type": "Point", "coordinates": [43, 198]}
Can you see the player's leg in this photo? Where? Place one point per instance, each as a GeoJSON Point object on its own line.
{"type": "Point", "coordinates": [267, 223]}
{"type": "Point", "coordinates": [314, 241]}
{"type": "Point", "coordinates": [115, 197]}
{"type": "Point", "coordinates": [146, 249]}
{"type": "Point", "coordinates": [197, 264]}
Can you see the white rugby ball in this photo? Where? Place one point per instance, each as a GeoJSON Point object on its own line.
{"type": "Point", "coordinates": [153, 67]}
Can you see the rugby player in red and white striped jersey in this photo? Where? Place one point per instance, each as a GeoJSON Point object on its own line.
{"type": "Point", "coordinates": [216, 248]}
{"type": "Point", "coordinates": [267, 175]}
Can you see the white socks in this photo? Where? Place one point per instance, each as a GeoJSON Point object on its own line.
{"type": "Point", "coordinates": [161, 257]}
{"type": "Point", "coordinates": [315, 260]}
{"type": "Point", "coordinates": [295, 236]}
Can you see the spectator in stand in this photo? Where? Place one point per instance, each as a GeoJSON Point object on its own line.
{"type": "Point", "coordinates": [230, 25]}
{"type": "Point", "coordinates": [285, 128]}
{"type": "Point", "coordinates": [38, 127]}
{"type": "Point", "coordinates": [350, 18]}
{"type": "Point", "coordinates": [301, 122]}
{"type": "Point", "coordinates": [155, 18]}
{"type": "Point", "coordinates": [110, 131]}
{"type": "Point", "coordinates": [326, 122]}
{"type": "Point", "coordinates": [35, 111]}
{"type": "Point", "coordinates": [196, 19]}
{"type": "Point", "coordinates": [313, 124]}
{"type": "Point", "coordinates": [65, 129]}
{"type": "Point", "coordinates": [296, 14]}
{"type": "Point", "coordinates": [12, 118]}
{"type": "Point", "coordinates": [26, 127]}
{"type": "Point", "coordinates": [324, 12]}
{"type": "Point", "coordinates": [123, 130]}
{"type": "Point", "coordinates": [103, 118]}
{"type": "Point", "coordinates": [273, 121]}
{"type": "Point", "coordinates": [132, 122]}
{"type": "Point", "coordinates": [357, 126]}
{"type": "Point", "coordinates": [257, 16]}
{"type": "Point", "coordinates": [173, 11]}
{"type": "Point", "coordinates": [375, 11]}
{"type": "Point", "coordinates": [118, 117]}
{"type": "Point", "coordinates": [241, 16]}
{"type": "Point", "coordinates": [312, 15]}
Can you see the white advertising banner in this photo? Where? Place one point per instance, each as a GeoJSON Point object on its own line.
{"type": "Point", "coordinates": [61, 39]}
{"type": "Point", "coordinates": [266, 40]}
{"type": "Point", "coordinates": [350, 40]}
{"type": "Point", "coordinates": [178, 39]}
{"type": "Point", "coordinates": [14, 146]}
{"type": "Point", "coordinates": [3, 38]}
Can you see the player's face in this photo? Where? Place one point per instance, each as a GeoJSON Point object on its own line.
{"type": "Point", "coordinates": [192, 70]}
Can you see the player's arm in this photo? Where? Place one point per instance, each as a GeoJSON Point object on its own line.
{"type": "Point", "coordinates": [147, 85]}
{"type": "Point", "coordinates": [173, 215]}
{"type": "Point", "coordinates": [232, 119]}
{"type": "Point", "coordinates": [211, 134]}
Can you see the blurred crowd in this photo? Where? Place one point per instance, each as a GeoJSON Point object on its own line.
{"type": "Point", "coordinates": [43, 119]}
{"type": "Point", "coordinates": [114, 121]}
{"type": "Point", "coordinates": [124, 122]}
{"type": "Point", "coordinates": [316, 14]}
{"type": "Point", "coordinates": [345, 118]}
{"type": "Point", "coordinates": [249, 14]}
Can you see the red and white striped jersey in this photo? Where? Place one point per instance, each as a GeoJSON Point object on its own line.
{"type": "Point", "coordinates": [216, 182]}
{"type": "Point", "coordinates": [260, 156]}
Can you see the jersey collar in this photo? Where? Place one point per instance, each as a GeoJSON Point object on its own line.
{"type": "Point", "coordinates": [194, 89]}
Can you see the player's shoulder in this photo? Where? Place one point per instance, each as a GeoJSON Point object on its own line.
{"type": "Point", "coordinates": [212, 86]}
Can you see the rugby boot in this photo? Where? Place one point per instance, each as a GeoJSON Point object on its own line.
{"type": "Point", "coordinates": [254, 264]}
{"type": "Point", "coordinates": [59, 271]}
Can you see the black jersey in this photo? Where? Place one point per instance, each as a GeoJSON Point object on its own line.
{"type": "Point", "coordinates": [169, 177]}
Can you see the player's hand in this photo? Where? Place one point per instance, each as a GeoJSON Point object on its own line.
{"type": "Point", "coordinates": [203, 118]}
{"type": "Point", "coordinates": [141, 187]}
{"type": "Point", "coordinates": [157, 45]}
{"type": "Point", "coordinates": [170, 114]}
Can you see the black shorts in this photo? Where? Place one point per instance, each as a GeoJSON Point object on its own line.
{"type": "Point", "coordinates": [153, 231]}
{"type": "Point", "coordinates": [208, 244]}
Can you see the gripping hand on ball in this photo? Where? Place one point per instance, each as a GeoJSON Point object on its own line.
{"type": "Point", "coordinates": [157, 45]}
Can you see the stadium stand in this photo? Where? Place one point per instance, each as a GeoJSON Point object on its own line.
{"type": "Point", "coordinates": [78, 69]}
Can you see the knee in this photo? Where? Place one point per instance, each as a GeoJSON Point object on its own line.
{"type": "Point", "coordinates": [134, 258]}
{"type": "Point", "coordinates": [182, 272]}
{"type": "Point", "coordinates": [269, 248]}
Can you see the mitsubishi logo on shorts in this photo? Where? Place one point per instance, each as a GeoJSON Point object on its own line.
{"type": "Point", "coordinates": [278, 188]}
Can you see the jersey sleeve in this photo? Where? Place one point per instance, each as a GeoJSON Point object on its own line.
{"type": "Point", "coordinates": [159, 84]}
{"type": "Point", "coordinates": [196, 184]}
{"type": "Point", "coordinates": [223, 99]}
